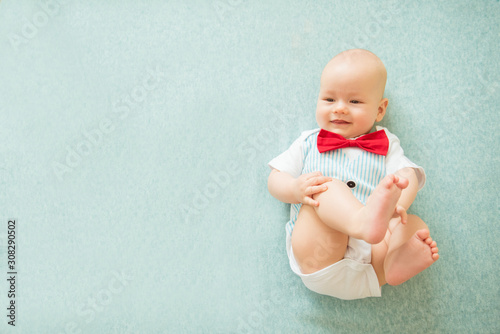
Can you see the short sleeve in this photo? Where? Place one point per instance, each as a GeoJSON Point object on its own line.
{"type": "Point", "coordinates": [292, 160]}
{"type": "Point", "coordinates": [396, 159]}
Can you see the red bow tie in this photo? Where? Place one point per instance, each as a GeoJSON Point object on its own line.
{"type": "Point", "coordinates": [375, 142]}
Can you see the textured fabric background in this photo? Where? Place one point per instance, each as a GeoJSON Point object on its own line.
{"type": "Point", "coordinates": [135, 137]}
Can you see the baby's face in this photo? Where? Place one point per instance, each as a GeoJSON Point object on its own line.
{"type": "Point", "coordinates": [350, 98]}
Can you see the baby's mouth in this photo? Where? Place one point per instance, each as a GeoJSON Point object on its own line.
{"type": "Point", "coordinates": [339, 122]}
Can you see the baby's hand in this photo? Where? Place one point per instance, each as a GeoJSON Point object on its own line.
{"type": "Point", "coordinates": [307, 185]}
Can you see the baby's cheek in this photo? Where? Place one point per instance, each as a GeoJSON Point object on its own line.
{"type": "Point", "coordinates": [322, 116]}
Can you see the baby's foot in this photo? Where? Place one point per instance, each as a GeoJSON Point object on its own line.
{"type": "Point", "coordinates": [379, 208]}
{"type": "Point", "coordinates": [412, 257]}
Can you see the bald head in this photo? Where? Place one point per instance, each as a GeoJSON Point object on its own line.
{"type": "Point", "coordinates": [358, 61]}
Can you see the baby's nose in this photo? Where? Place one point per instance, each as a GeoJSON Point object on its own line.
{"type": "Point", "coordinates": [340, 108]}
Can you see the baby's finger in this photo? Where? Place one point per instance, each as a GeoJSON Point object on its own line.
{"type": "Point", "coordinates": [316, 189]}
{"type": "Point", "coordinates": [324, 179]}
{"type": "Point", "coordinates": [322, 187]}
{"type": "Point", "coordinates": [401, 211]}
{"type": "Point", "coordinates": [311, 190]}
{"type": "Point", "coordinates": [319, 180]}
{"type": "Point", "coordinates": [312, 175]}
{"type": "Point", "coordinates": [309, 201]}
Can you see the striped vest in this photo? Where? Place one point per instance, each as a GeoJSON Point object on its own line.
{"type": "Point", "coordinates": [361, 174]}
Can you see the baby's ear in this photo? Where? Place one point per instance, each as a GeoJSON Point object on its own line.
{"type": "Point", "coordinates": [382, 107]}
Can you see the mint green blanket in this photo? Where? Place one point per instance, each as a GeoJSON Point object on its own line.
{"type": "Point", "coordinates": [135, 140]}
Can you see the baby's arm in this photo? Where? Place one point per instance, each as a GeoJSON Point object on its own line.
{"type": "Point", "coordinates": [288, 189]}
{"type": "Point", "coordinates": [408, 194]}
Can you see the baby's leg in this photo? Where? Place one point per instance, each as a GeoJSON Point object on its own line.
{"type": "Point", "coordinates": [341, 211]}
{"type": "Point", "coordinates": [405, 252]}
{"type": "Point", "coordinates": [315, 245]}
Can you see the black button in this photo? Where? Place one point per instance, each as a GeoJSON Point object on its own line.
{"type": "Point", "coordinates": [351, 184]}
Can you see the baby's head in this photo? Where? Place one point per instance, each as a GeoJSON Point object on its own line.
{"type": "Point", "coordinates": [351, 93]}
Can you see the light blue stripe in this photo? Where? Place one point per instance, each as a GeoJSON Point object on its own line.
{"type": "Point", "coordinates": [367, 162]}
{"type": "Point", "coordinates": [360, 165]}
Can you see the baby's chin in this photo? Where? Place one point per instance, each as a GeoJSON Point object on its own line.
{"type": "Point", "coordinates": [340, 129]}
{"type": "Point", "coordinates": [345, 130]}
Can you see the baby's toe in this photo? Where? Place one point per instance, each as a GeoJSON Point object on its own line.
{"type": "Point", "coordinates": [388, 181]}
{"type": "Point", "coordinates": [423, 235]}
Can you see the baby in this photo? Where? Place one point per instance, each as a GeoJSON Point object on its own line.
{"type": "Point", "coordinates": [350, 186]}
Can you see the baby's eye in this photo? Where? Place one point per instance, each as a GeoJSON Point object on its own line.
{"type": "Point", "coordinates": [355, 101]}
{"type": "Point", "coordinates": [329, 100]}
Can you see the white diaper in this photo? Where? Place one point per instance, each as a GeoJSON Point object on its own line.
{"type": "Point", "coordinates": [351, 278]}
